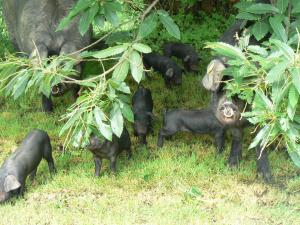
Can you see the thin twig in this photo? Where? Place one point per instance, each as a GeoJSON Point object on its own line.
{"type": "Point", "coordinates": [149, 9]}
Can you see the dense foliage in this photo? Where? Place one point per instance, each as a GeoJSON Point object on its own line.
{"type": "Point", "coordinates": [267, 77]}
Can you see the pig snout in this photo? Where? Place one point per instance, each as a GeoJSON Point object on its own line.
{"type": "Point", "coordinates": [228, 113]}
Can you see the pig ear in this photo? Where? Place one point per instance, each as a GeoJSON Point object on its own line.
{"type": "Point", "coordinates": [170, 72]}
{"type": "Point", "coordinates": [186, 58]}
{"type": "Point", "coordinates": [11, 183]}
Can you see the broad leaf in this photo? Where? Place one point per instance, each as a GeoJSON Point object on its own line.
{"type": "Point", "coordinates": [111, 51]}
{"type": "Point", "coordinates": [282, 5]}
{"type": "Point", "coordinates": [136, 66]}
{"type": "Point", "coordinates": [296, 78]}
{"type": "Point", "coordinates": [87, 18]}
{"type": "Point", "coordinates": [260, 136]}
{"type": "Point", "coordinates": [147, 26]}
{"type": "Point", "coordinates": [116, 120]}
{"type": "Point", "coordinates": [142, 48]}
{"type": "Point", "coordinates": [261, 8]}
{"type": "Point", "coordinates": [278, 28]}
{"type": "Point", "coordinates": [277, 72]}
{"type": "Point", "coordinates": [169, 24]}
{"type": "Point", "coordinates": [104, 129]}
{"type": "Point", "coordinates": [121, 71]}
{"type": "Point", "coordinates": [260, 29]}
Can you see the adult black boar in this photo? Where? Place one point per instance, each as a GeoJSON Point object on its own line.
{"type": "Point", "coordinates": [24, 161]}
{"type": "Point", "coordinates": [32, 24]}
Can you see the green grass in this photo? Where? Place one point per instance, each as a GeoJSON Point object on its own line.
{"type": "Point", "coordinates": [183, 183]}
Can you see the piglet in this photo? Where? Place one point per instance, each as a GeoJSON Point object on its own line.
{"type": "Point", "coordinates": [142, 105]}
{"type": "Point", "coordinates": [109, 149]}
{"type": "Point", "coordinates": [24, 161]}
{"type": "Point", "coordinates": [170, 71]}
{"type": "Point", "coordinates": [195, 121]}
{"type": "Point", "coordinates": [185, 52]}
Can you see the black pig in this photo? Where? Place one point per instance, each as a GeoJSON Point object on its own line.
{"type": "Point", "coordinates": [228, 112]}
{"type": "Point", "coordinates": [32, 28]}
{"type": "Point", "coordinates": [195, 121]}
{"type": "Point", "coordinates": [142, 104]}
{"type": "Point", "coordinates": [185, 52]}
{"type": "Point", "coordinates": [171, 72]}
{"type": "Point", "coordinates": [24, 161]}
{"type": "Point", "coordinates": [109, 150]}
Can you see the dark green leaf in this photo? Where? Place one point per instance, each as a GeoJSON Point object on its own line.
{"type": "Point", "coordinates": [260, 29]}
{"type": "Point", "coordinates": [87, 18]}
{"type": "Point", "coordinates": [278, 28]}
{"type": "Point", "coordinates": [247, 16]}
{"type": "Point", "coordinates": [99, 20]}
{"type": "Point", "coordinates": [127, 112]}
{"type": "Point", "coordinates": [147, 26]}
{"type": "Point", "coordinates": [169, 24]}
{"type": "Point", "coordinates": [111, 15]}
{"type": "Point", "coordinates": [261, 8]}
{"type": "Point", "coordinates": [282, 5]}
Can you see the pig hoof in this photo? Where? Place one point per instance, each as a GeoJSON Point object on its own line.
{"type": "Point", "coordinates": [233, 162]}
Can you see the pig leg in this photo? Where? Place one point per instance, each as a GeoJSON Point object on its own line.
{"type": "Point", "coordinates": [142, 139]}
{"type": "Point", "coordinates": [220, 141]}
{"type": "Point", "coordinates": [48, 157]}
{"type": "Point", "coordinates": [113, 162]}
{"type": "Point", "coordinates": [98, 163]}
{"type": "Point", "coordinates": [47, 103]}
{"type": "Point", "coordinates": [262, 163]}
{"type": "Point", "coordinates": [236, 146]}
{"type": "Point", "coordinates": [163, 133]}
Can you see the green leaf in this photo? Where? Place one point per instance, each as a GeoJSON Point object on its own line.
{"type": "Point", "coordinates": [285, 49]}
{"type": "Point", "coordinates": [277, 72]}
{"type": "Point", "coordinates": [136, 66]}
{"type": "Point", "coordinates": [296, 78]}
{"type": "Point", "coordinates": [121, 71]}
{"type": "Point", "coordinates": [261, 8]}
{"type": "Point", "coordinates": [124, 88]}
{"type": "Point", "coordinates": [99, 20]}
{"type": "Point", "coordinates": [116, 120]}
{"type": "Point", "coordinates": [293, 96]}
{"type": "Point", "coordinates": [260, 136]}
{"type": "Point", "coordinates": [104, 129]}
{"type": "Point", "coordinates": [260, 29]}
{"type": "Point", "coordinates": [258, 50]}
{"type": "Point", "coordinates": [282, 5]}
{"type": "Point", "coordinates": [81, 5]}
{"type": "Point", "coordinates": [278, 28]}
{"type": "Point", "coordinates": [247, 16]}
{"type": "Point", "coordinates": [20, 85]}
{"type": "Point", "coordinates": [87, 18]}
{"type": "Point", "coordinates": [296, 7]}
{"type": "Point", "coordinates": [127, 112]}
{"type": "Point", "coordinates": [71, 121]}
{"type": "Point", "coordinates": [264, 100]}
{"type": "Point", "coordinates": [147, 26]}
{"type": "Point", "coordinates": [111, 51]}
{"type": "Point", "coordinates": [111, 15]}
{"type": "Point", "coordinates": [169, 24]}
{"type": "Point", "coordinates": [293, 150]}
{"type": "Point", "coordinates": [227, 50]}
{"type": "Point", "coordinates": [142, 48]}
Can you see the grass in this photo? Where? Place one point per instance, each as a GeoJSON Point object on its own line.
{"type": "Point", "coordinates": [183, 183]}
